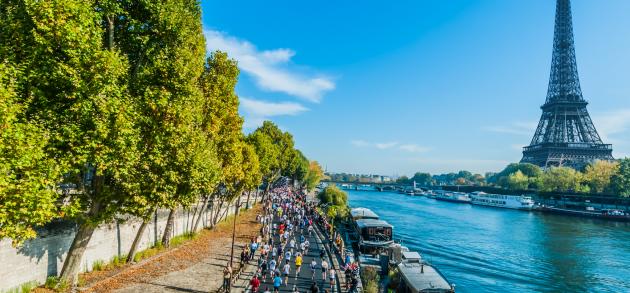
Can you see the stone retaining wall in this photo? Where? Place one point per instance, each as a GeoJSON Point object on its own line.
{"type": "Point", "coordinates": [43, 256]}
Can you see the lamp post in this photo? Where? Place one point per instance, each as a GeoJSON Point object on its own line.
{"type": "Point", "coordinates": [238, 200]}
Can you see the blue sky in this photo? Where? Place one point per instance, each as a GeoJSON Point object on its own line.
{"type": "Point", "coordinates": [402, 86]}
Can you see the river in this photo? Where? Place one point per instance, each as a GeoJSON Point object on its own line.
{"type": "Point", "coordinates": [483, 249]}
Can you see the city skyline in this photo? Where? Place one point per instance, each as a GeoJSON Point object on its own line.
{"type": "Point", "coordinates": [436, 87]}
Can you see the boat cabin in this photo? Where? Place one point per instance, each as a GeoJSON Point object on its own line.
{"type": "Point", "coordinates": [363, 213]}
{"type": "Point", "coordinates": [373, 232]}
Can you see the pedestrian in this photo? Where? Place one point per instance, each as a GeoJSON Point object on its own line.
{"type": "Point", "coordinates": [287, 255]}
{"type": "Point", "coordinates": [255, 283]}
{"type": "Point", "coordinates": [314, 288]}
{"type": "Point", "coordinates": [227, 276]}
{"type": "Point", "coordinates": [263, 270]}
{"type": "Point", "coordinates": [277, 282]}
{"type": "Point", "coordinates": [324, 269]}
{"type": "Point", "coordinates": [267, 289]}
{"type": "Point", "coordinates": [354, 283]}
{"type": "Point", "coordinates": [322, 254]}
{"type": "Point", "coordinates": [272, 266]}
{"type": "Point", "coordinates": [298, 264]}
{"type": "Point", "coordinates": [313, 268]}
{"type": "Point", "coordinates": [331, 277]}
{"type": "Point", "coordinates": [287, 270]}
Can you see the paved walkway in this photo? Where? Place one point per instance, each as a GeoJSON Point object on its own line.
{"type": "Point", "coordinates": [194, 267]}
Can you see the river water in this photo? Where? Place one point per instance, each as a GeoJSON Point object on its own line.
{"type": "Point", "coordinates": [483, 249]}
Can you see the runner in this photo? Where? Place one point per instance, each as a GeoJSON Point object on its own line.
{"type": "Point", "coordinates": [324, 269]}
{"type": "Point", "coordinates": [277, 282]}
{"type": "Point", "coordinates": [287, 271]}
{"type": "Point", "coordinates": [298, 264]}
{"type": "Point", "coordinates": [255, 283]}
{"type": "Point", "coordinates": [331, 276]}
{"type": "Point", "coordinates": [313, 268]}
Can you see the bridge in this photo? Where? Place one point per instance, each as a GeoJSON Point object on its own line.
{"type": "Point", "coordinates": [380, 186]}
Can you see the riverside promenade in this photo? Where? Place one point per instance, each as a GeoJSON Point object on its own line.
{"type": "Point", "coordinates": [197, 265]}
{"type": "Point", "coordinates": [304, 280]}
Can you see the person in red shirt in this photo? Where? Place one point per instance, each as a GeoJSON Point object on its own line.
{"type": "Point", "coordinates": [255, 283]}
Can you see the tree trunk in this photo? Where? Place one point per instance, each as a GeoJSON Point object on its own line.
{"type": "Point", "coordinates": [166, 237]}
{"type": "Point", "coordinates": [248, 194]}
{"type": "Point", "coordinates": [72, 263]}
{"type": "Point", "coordinates": [110, 32]}
{"type": "Point", "coordinates": [203, 206]}
{"type": "Point", "coordinates": [256, 196]}
{"type": "Point", "coordinates": [192, 219]}
{"type": "Point", "coordinates": [216, 215]}
{"type": "Point", "coordinates": [136, 241]}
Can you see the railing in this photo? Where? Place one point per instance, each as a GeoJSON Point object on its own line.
{"type": "Point", "coordinates": [573, 145]}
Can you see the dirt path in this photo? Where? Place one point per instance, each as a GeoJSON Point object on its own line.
{"type": "Point", "coordinates": [193, 267]}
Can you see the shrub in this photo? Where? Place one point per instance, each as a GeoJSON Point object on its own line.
{"type": "Point", "coordinates": [98, 265]}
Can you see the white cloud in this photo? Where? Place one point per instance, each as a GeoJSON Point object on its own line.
{"type": "Point", "coordinates": [518, 128]}
{"type": "Point", "coordinates": [257, 111]}
{"type": "Point", "coordinates": [385, 145]}
{"type": "Point", "coordinates": [267, 109]}
{"type": "Point", "coordinates": [413, 148]}
{"type": "Point", "coordinates": [611, 124]}
{"type": "Point", "coordinates": [270, 67]}
{"type": "Point", "coordinates": [360, 143]}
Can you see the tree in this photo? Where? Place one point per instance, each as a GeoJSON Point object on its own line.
{"type": "Point", "coordinates": [598, 174]}
{"type": "Point", "coordinates": [403, 180]}
{"type": "Point", "coordinates": [28, 174]}
{"type": "Point", "coordinates": [529, 170]}
{"type": "Point", "coordinates": [314, 175]}
{"type": "Point", "coordinates": [75, 88]}
{"type": "Point", "coordinates": [561, 179]}
{"type": "Point", "coordinates": [518, 181]}
{"type": "Point", "coordinates": [620, 181]}
{"type": "Point", "coordinates": [422, 178]}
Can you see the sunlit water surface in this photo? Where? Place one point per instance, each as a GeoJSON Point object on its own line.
{"type": "Point", "coordinates": [483, 249]}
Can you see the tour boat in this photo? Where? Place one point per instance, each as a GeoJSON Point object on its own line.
{"type": "Point", "coordinates": [458, 197]}
{"type": "Point", "coordinates": [519, 202]}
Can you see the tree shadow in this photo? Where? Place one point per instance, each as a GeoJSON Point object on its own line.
{"type": "Point", "coordinates": [53, 241]}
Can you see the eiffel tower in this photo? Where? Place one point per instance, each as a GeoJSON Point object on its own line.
{"type": "Point", "coordinates": [565, 135]}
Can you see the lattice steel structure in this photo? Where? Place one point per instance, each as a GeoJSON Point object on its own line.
{"type": "Point", "coordinates": [565, 135]}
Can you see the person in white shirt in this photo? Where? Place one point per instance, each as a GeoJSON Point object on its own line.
{"type": "Point", "coordinates": [313, 268]}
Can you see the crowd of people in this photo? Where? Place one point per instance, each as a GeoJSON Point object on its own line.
{"type": "Point", "coordinates": [287, 223]}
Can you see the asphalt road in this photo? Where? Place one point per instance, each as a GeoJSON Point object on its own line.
{"type": "Point", "coordinates": [305, 278]}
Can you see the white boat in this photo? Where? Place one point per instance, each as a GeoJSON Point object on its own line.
{"type": "Point", "coordinates": [519, 202]}
{"type": "Point", "coordinates": [458, 197]}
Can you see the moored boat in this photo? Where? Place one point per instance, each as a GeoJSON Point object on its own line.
{"type": "Point", "coordinates": [458, 197]}
{"type": "Point", "coordinates": [418, 276]}
{"type": "Point", "coordinates": [608, 214]}
{"type": "Point", "coordinates": [519, 202]}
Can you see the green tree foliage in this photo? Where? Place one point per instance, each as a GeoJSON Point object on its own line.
{"type": "Point", "coordinates": [333, 195]}
{"type": "Point", "coordinates": [27, 174]}
{"type": "Point", "coordinates": [336, 201]}
{"type": "Point", "coordinates": [403, 180]}
{"type": "Point", "coordinates": [314, 175]}
{"type": "Point", "coordinates": [529, 170]}
{"type": "Point", "coordinates": [561, 179]}
{"type": "Point", "coordinates": [598, 175]}
{"type": "Point", "coordinates": [620, 182]}
{"type": "Point", "coordinates": [518, 181]}
{"type": "Point", "coordinates": [422, 178]}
